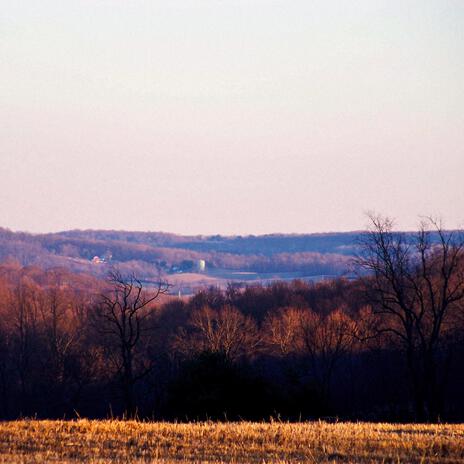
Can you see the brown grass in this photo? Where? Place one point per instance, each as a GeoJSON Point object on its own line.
{"type": "Point", "coordinates": [131, 441]}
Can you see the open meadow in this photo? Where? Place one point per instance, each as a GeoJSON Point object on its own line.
{"type": "Point", "coordinates": [132, 441]}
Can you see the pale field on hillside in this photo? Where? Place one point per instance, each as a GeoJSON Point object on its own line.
{"type": "Point", "coordinates": [131, 441]}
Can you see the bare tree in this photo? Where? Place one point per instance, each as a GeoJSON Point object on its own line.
{"type": "Point", "coordinates": [226, 331]}
{"type": "Point", "coordinates": [121, 317]}
{"type": "Point", "coordinates": [283, 331]}
{"type": "Point", "coordinates": [415, 283]}
{"type": "Point", "coordinates": [25, 336]}
{"type": "Point", "coordinates": [326, 340]}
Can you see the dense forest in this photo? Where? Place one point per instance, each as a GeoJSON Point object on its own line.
{"type": "Point", "coordinates": [386, 346]}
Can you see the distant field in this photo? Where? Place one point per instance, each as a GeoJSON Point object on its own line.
{"type": "Point", "coordinates": [189, 282]}
{"type": "Point", "coordinates": [118, 441]}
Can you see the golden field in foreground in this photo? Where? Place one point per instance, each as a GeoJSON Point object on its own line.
{"type": "Point", "coordinates": [132, 441]}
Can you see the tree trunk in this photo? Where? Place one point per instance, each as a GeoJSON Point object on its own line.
{"type": "Point", "coordinates": [128, 384]}
{"type": "Point", "coordinates": [416, 380]}
{"type": "Point", "coordinates": [432, 391]}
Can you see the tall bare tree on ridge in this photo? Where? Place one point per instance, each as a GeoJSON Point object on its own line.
{"type": "Point", "coordinates": [121, 317]}
{"type": "Point", "coordinates": [415, 283]}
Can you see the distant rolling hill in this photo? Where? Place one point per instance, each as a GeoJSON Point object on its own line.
{"type": "Point", "coordinates": [225, 258]}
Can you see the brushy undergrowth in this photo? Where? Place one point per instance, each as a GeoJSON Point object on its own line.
{"type": "Point", "coordinates": [111, 441]}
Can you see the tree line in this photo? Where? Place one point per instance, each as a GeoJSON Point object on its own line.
{"type": "Point", "coordinates": [145, 254]}
{"type": "Point", "coordinates": [387, 345]}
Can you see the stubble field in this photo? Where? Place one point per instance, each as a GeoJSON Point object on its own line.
{"type": "Point", "coordinates": [316, 442]}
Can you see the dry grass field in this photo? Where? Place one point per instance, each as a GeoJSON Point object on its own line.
{"type": "Point", "coordinates": [131, 441]}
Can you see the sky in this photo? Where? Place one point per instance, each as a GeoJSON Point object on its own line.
{"type": "Point", "coordinates": [230, 116]}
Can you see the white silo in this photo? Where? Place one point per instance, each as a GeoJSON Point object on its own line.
{"type": "Point", "coordinates": [200, 265]}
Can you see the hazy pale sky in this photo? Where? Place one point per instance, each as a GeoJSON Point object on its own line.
{"type": "Point", "coordinates": [230, 116]}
